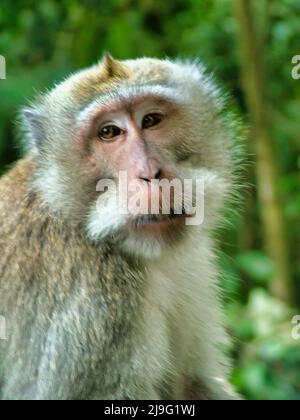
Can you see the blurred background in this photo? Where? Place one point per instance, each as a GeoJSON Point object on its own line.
{"type": "Point", "coordinates": [249, 46]}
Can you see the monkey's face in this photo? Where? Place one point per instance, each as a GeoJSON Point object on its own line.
{"type": "Point", "coordinates": [121, 146]}
{"type": "Point", "coordinates": [130, 145]}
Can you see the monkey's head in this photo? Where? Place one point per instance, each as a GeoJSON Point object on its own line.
{"type": "Point", "coordinates": [106, 137]}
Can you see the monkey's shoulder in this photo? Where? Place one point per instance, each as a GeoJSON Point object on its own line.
{"type": "Point", "coordinates": [32, 241]}
{"type": "Point", "coordinates": [36, 246]}
{"type": "Point", "coordinates": [20, 206]}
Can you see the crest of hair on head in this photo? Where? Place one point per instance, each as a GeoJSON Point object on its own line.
{"type": "Point", "coordinates": [113, 68]}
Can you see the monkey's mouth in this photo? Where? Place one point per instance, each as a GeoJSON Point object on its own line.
{"type": "Point", "coordinates": [158, 223]}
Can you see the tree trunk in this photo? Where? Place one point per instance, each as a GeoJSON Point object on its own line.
{"type": "Point", "coordinates": [267, 173]}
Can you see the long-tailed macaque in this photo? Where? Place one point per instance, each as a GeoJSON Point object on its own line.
{"type": "Point", "coordinates": [101, 303]}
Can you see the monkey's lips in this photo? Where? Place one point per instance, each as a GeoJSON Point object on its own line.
{"type": "Point", "coordinates": [155, 225]}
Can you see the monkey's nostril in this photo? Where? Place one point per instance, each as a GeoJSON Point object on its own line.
{"type": "Point", "coordinates": [158, 174]}
{"type": "Point", "coordinates": [146, 179]}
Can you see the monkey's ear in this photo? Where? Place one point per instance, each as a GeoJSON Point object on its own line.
{"type": "Point", "coordinates": [113, 68]}
{"type": "Point", "coordinates": [33, 120]}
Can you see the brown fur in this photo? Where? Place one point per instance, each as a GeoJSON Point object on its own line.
{"type": "Point", "coordinates": [99, 78]}
{"type": "Point", "coordinates": [44, 266]}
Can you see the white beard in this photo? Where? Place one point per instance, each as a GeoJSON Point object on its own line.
{"type": "Point", "coordinates": [106, 219]}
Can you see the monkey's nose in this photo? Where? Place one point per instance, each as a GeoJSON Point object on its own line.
{"type": "Point", "coordinates": [157, 175]}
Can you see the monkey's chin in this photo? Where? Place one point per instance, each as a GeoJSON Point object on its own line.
{"type": "Point", "coordinates": [149, 236]}
{"type": "Point", "coordinates": [144, 235]}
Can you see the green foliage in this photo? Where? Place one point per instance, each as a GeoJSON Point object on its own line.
{"type": "Point", "coordinates": [45, 40]}
{"type": "Point", "coordinates": [258, 266]}
{"type": "Point", "coordinates": [268, 356]}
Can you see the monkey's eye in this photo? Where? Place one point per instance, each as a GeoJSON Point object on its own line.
{"type": "Point", "coordinates": [151, 120]}
{"type": "Point", "coordinates": [109, 132]}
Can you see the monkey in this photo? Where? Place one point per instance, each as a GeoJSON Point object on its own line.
{"type": "Point", "coordinates": [101, 305]}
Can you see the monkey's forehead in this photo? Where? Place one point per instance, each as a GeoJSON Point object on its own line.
{"type": "Point", "coordinates": [109, 75]}
{"type": "Point", "coordinates": [129, 97]}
